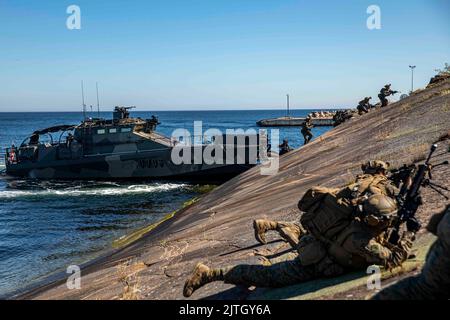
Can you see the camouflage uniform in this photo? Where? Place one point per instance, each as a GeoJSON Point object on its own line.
{"type": "Point", "coordinates": [306, 130]}
{"type": "Point", "coordinates": [434, 280]}
{"type": "Point", "coordinates": [385, 92]}
{"type": "Point", "coordinates": [357, 246]}
{"type": "Point", "coordinates": [289, 231]}
{"type": "Point", "coordinates": [284, 147]}
{"type": "Point", "coordinates": [363, 106]}
{"type": "Point", "coordinates": [342, 115]}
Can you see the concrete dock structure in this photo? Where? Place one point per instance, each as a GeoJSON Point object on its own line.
{"type": "Point", "coordinates": [294, 122]}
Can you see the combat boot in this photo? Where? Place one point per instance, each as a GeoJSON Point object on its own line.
{"type": "Point", "coordinates": [261, 226]}
{"type": "Point", "coordinates": [201, 275]}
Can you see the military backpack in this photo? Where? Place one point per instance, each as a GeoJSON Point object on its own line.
{"type": "Point", "coordinates": [325, 214]}
{"type": "Point", "coordinates": [327, 211]}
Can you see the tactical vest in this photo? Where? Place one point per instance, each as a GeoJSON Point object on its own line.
{"type": "Point", "coordinates": [325, 215]}
{"type": "Point", "coordinates": [327, 212]}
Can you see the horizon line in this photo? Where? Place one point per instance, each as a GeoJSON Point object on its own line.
{"type": "Point", "coordinates": [178, 110]}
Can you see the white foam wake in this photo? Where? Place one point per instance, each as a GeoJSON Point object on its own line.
{"type": "Point", "coordinates": [73, 192]}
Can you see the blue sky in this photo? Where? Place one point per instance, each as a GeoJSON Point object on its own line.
{"type": "Point", "coordinates": [215, 54]}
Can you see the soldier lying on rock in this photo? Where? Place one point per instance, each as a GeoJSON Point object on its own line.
{"type": "Point", "coordinates": [341, 230]}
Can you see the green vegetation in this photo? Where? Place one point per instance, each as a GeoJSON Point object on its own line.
{"type": "Point", "coordinates": [205, 188]}
{"type": "Point", "coordinates": [127, 239]}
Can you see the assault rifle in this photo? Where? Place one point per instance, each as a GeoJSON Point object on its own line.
{"type": "Point", "coordinates": [400, 176]}
{"type": "Point", "coordinates": [409, 198]}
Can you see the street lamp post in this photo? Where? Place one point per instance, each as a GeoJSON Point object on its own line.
{"type": "Point", "coordinates": [287, 104]}
{"type": "Point", "coordinates": [412, 77]}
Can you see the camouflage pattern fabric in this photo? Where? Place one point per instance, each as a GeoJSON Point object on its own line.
{"type": "Point", "coordinates": [359, 249]}
{"type": "Point", "coordinates": [343, 115]}
{"type": "Point", "coordinates": [385, 92]}
{"type": "Point", "coordinates": [290, 232]}
{"type": "Point", "coordinates": [363, 106]}
{"type": "Point", "coordinates": [356, 247]}
{"type": "Point", "coordinates": [306, 131]}
{"type": "Point", "coordinates": [277, 275]}
{"type": "Point", "coordinates": [126, 148]}
{"type": "Point", "coordinates": [434, 280]}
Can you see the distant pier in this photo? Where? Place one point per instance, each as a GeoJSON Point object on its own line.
{"type": "Point", "coordinates": [318, 119]}
{"type": "Point", "coordinates": [294, 122]}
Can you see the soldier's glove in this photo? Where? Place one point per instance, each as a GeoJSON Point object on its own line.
{"type": "Point", "coordinates": [406, 241]}
{"type": "Point", "coordinates": [401, 251]}
{"type": "Point", "coordinates": [399, 255]}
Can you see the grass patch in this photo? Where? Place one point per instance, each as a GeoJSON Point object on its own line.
{"type": "Point", "coordinates": [127, 276]}
{"type": "Point", "coordinates": [205, 188]}
{"type": "Point", "coordinates": [127, 239]}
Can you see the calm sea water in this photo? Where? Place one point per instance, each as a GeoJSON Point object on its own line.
{"type": "Point", "coordinates": [47, 225]}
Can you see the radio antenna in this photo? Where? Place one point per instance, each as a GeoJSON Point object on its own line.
{"type": "Point", "coordinates": [82, 97]}
{"type": "Point", "coordinates": [98, 103]}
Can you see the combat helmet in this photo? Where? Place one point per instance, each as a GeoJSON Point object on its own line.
{"type": "Point", "coordinates": [379, 210]}
{"type": "Point", "coordinates": [387, 85]}
{"type": "Point", "coordinates": [374, 166]}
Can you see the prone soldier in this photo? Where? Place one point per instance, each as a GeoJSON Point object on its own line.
{"type": "Point", "coordinates": [335, 236]}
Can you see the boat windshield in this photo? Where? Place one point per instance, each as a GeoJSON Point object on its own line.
{"type": "Point", "coordinates": [48, 136]}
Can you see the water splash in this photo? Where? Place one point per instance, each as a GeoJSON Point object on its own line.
{"type": "Point", "coordinates": [77, 191]}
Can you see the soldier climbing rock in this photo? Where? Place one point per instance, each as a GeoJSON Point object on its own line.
{"type": "Point", "coordinates": [284, 147]}
{"type": "Point", "coordinates": [384, 93]}
{"type": "Point", "coordinates": [364, 105]}
{"type": "Point", "coordinates": [306, 130]}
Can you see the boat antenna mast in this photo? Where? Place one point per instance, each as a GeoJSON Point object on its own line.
{"type": "Point", "coordinates": [82, 98]}
{"type": "Point", "coordinates": [98, 103]}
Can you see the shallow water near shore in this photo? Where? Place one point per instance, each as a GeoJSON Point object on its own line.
{"type": "Point", "coordinates": [46, 226]}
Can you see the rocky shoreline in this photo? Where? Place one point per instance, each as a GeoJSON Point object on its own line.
{"type": "Point", "coordinates": [217, 229]}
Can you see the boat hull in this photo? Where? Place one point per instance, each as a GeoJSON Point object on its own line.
{"type": "Point", "coordinates": [150, 165]}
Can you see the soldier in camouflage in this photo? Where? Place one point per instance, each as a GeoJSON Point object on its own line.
{"type": "Point", "coordinates": [385, 92]}
{"type": "Point", "coordinates": [360, 244]}
{"type": "Point", "coordinates": [434, 280]}
{"type": "Point", "coordinates": [364, 105]}
{"type": "Point", "coordinates": [343, 115]}
{"type": "Point", "coordinates": [306, 130]}
{"type": "Point", "coordinates": [284, 147]}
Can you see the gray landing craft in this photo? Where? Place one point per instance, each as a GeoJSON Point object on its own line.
{"type": "Point", "coordinates": [123, 148]}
